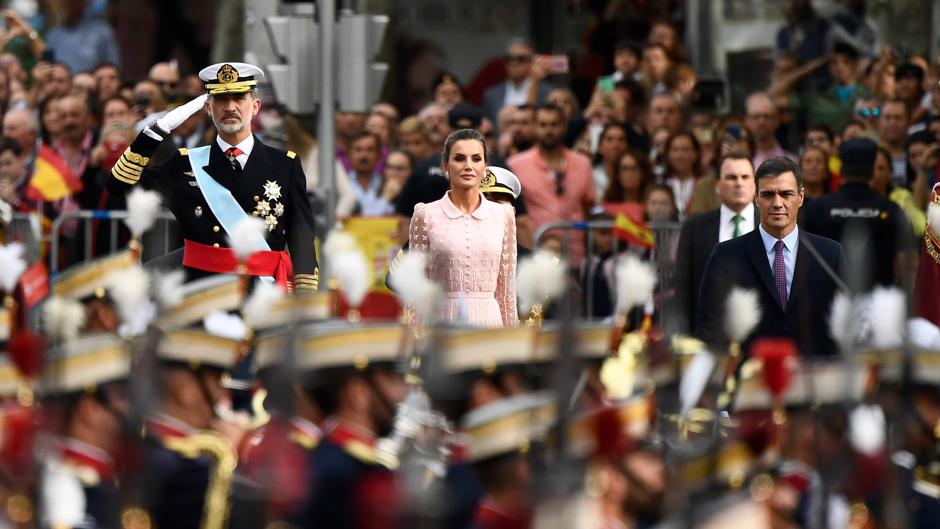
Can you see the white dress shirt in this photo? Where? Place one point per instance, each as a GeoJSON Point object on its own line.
{"type": "Point", "coordinates": [246, 145]}
{"type": "Point", "coordinates": [517, 95]}
{"type": "Point", "coordinates": [791, 244]}
{"type": "Point", "coordinates": [726, 224]}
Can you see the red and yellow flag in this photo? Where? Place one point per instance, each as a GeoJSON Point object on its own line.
{"type": "Point", "coordinates": [633, 232]}
{"type": "Point", "coordinates": [52, 179]}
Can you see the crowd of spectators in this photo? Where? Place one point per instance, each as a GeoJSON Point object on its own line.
{"type": "Point", "coordinates": [644, 143]}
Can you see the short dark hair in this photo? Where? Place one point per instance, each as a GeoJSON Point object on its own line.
{"type": "Point", "coordinates": [628, 45]}
{"type": "Point", "coordinates": [551, 108]}
{"type": "Point", "coordinates": [909, 69]}
{"type": "Point", "coordinates": [366, 134]}
{"type": "Point", "coordinates": [921, 136]}
{"type": "Point", "coordinates": [460, 135]}
{"type": "Point", "coordinates": [103, 65]}
{"type": "Point", "coordinates": [821, 127]}
{"type": "Point", "coordinates": [7, 144]}
{"type": "Point", "coordinates": [733, 155]}
{"type": "Point", "coordinates": [776, 166]}
{"type": "Point", "coordinates": [637, 93]}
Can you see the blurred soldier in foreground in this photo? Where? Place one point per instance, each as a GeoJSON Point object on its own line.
{"type": "Point", "coordinates": [188, 463]}
{"type": "Point", "coordinates": [358, 389]}
{"type": "Point", "coordinates": [87, 403]}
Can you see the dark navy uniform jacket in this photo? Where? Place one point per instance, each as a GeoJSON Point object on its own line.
{"type": "Point", "coordinates": [272, 184]}
{"type": "Point", "coordinates": [349, 488]}
{"type": "Point", "coordinates": [881, 220]}
{"type": "Point", "coordinates": [176, 486]}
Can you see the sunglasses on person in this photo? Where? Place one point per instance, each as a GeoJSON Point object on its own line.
{"type": "Point", "coordinates": [518, 58]}
{"type": "Point", "coordinates": [872, 112]}
{"type": "Point", "coordinates": [559, 182]}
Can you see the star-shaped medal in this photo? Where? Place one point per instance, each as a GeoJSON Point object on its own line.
{"type": "Point", "coordinates": [271, 222]}
{"type": "Point", "coordinates": [272, 191]}
{"type": "Point", "coordinates": [278, 209]}
{"type": "Point", "coordinates": [263, 208]}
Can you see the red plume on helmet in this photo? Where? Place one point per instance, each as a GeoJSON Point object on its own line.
{"type": "Point", "coordinates": [777, 356]}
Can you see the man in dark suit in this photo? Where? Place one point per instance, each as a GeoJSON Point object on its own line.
{"type": "Point", "coordinates": [736, 216]}
{"type": "Point", "coordinates": [211, 189]}
{"type": "Point", "coordinates": [793, 272]}
{"type": "Point", "coordinates": [525, 81]}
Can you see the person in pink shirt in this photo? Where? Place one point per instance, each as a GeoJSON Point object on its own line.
{"type": "Point", "coordinates": [470, 241]}
{"type": "Point", "coordinates": [558, 182]}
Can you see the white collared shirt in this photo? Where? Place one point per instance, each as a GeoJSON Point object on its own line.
{"type": "Point", "coordinates": [791, 244]}
{"type": "Point", "coordinates": [726, 224]}
{"type": "Point", "coordinates": [517, 95]}
{"type": "Point", "coordinates": [246, 145]}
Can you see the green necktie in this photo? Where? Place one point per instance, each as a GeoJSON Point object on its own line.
{"type": "Point", "coordinates": [737, 225]}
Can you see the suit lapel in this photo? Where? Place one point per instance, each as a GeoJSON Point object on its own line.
{"type": "Point", "coordinates": [758, 257]}
{"type": "Point", "coordinates": [219, 167]}
{"type": "Point", "coordinates": [712, 227]}
{"type": "Point", "coordinates": [254, 171]}
{"type": "Point", "coordinates": [800, 270]}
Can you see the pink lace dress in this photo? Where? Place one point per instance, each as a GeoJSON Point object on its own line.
{"type": "Point", "coordinates": [473, 257]}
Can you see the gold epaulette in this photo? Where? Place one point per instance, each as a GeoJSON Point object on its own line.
{"type": "Point", "coordinates": [129, 167]}
{"type": "Point", "coordinates": [307, 281]}
{"type": "Point", "coordinates": [306, 441]}
{"type": "Point", "coordinates": [219, 448]}
{"type": "Point", "coordinates": [291, 154]}
{"type": "Point", "coordinates": [361, 451]}
{"type": "Point", "coordinates": [184, 151]}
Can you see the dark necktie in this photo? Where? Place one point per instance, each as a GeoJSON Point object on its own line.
{"type": "Point", "coordinates": [231, 153]}
{"type": "Point", "coordinates": [780, 274]}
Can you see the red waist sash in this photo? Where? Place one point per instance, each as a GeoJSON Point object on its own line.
{"type": "Point", "coordinates": [223, 261]}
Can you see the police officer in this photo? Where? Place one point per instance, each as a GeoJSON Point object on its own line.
{"type": "Point", "coordinates": [210, 189]}
{"type": "Point", "coordinates": [875, 233]}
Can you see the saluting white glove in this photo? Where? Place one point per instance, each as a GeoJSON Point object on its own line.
{"type": "Point", "coordinates": [178, 115]}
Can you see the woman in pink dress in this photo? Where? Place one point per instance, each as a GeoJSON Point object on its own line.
{"type": "Point", "coordinates": [470, 241]}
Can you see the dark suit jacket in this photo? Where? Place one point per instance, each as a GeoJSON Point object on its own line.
{"type": "Point", "coordinates": [494, 97]}
{"type": "Point", "coordinates": [743, 262]}
{"type": "Point", "coordinates": [697, 239]}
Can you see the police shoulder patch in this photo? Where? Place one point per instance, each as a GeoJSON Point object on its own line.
{"type": "Point", "coordinates": [291, 154]}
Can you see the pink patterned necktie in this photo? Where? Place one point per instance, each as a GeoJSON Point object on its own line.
{"type": "Point", "coordinates": [780, 274]}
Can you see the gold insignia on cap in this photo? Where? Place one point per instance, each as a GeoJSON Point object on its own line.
{"type": "Point", "coordinates": [227, 74]}
{"type": "Point", "coordinates": [489, 179]}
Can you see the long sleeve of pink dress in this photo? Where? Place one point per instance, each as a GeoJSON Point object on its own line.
{"type": "Point", "coordinates": [473, 257]}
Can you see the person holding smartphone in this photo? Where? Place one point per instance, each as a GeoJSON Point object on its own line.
{"type": "Point", "coordinates": [525, 79]}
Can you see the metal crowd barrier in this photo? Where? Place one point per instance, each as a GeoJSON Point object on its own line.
{"type": "Point", "coordinates": [664, 255]}
{"type": "Point", "coordinates": [85, 220]}
{"type": "Point", "coordinates": [25, 228]}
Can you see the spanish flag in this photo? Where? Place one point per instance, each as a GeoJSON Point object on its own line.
{"type": "Point", "coordinates": [52, 179]}
{"type": "Point", "coordinates": [630, 231]}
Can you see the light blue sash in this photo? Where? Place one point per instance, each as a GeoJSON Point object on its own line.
{"type": "Point", "coordinates": [220, 200]}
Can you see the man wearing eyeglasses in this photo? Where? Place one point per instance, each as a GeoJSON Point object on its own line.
{"type": "Point", "coordinates": [167, 77]}
{"type": "Point", "coordinates": [524, 81]}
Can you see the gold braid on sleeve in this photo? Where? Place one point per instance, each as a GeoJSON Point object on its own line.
{"type": "Point", "coordinates": [307, 281]}
{"type": "Point", "coordinates": [215, 511]}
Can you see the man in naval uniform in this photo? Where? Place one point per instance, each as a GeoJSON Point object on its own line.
{"type": "Point", "coordinates": [210, 189]}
